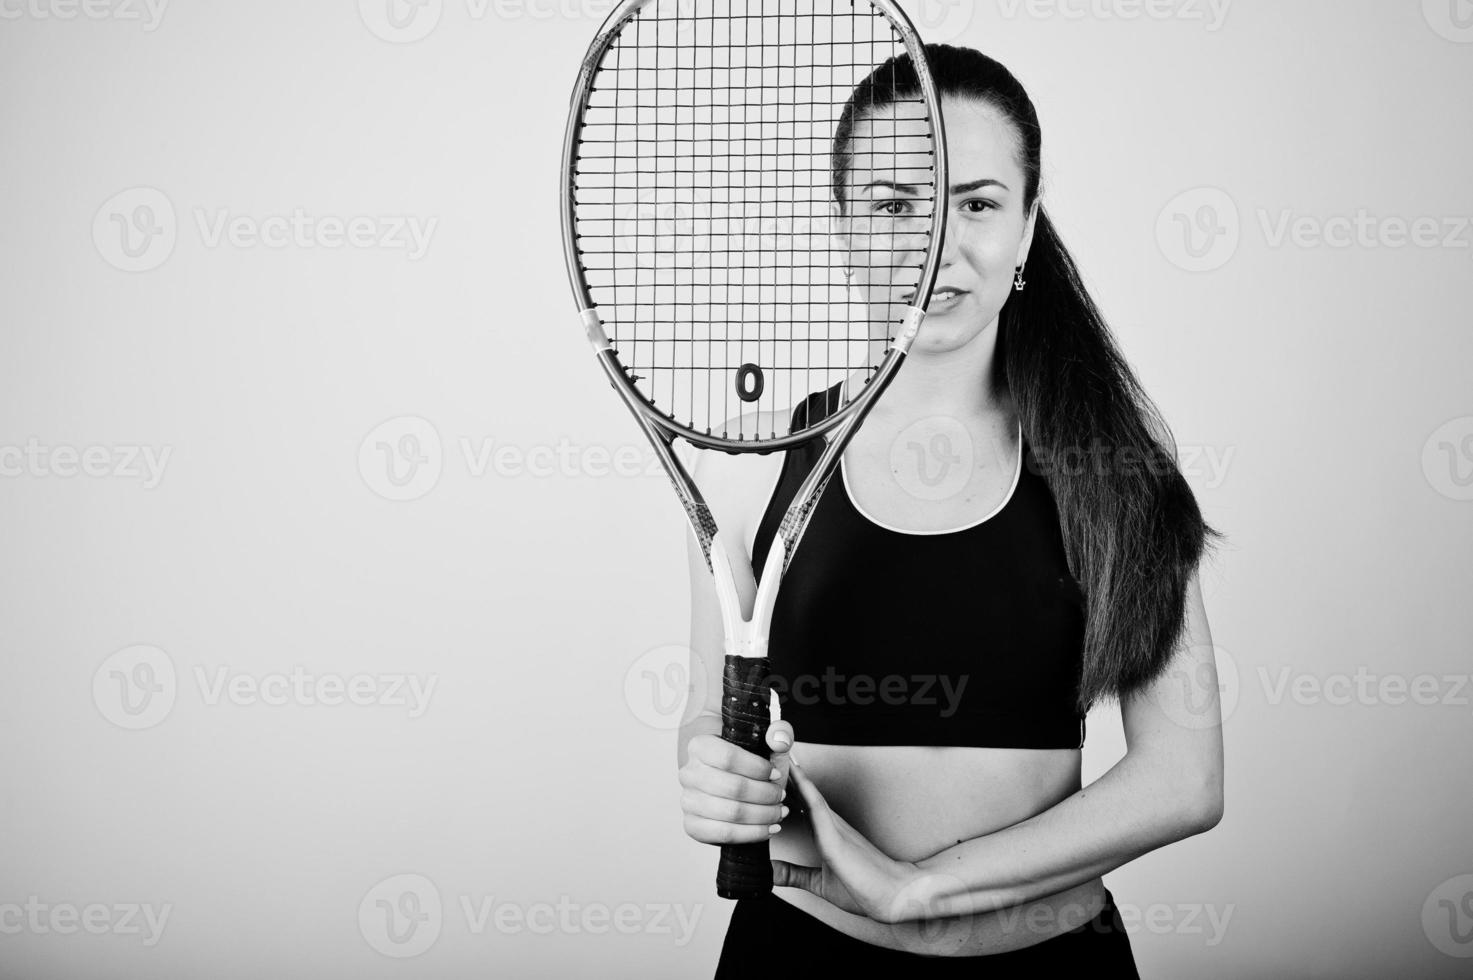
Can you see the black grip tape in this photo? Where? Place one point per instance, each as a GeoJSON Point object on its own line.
{"type": "Point", "coordinates": [746, 869]}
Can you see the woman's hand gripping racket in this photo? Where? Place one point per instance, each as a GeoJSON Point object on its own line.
{"type": "Point", "coordinates": [727, 261]}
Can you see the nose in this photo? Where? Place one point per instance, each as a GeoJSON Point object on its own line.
{"type": "Point", "coordinates": [950, 245]}
{"type": "Point", "coordinates": [950, 240]}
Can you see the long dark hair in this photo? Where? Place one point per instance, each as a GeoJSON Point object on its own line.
{"type": "Point", "coordinates": [1132, 531]}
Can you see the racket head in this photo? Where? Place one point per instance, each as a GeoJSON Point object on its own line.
{"type": "Point", "coordinates": [705, 243]}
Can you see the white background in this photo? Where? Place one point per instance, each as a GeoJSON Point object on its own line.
{"type": "Point", "coordinates": [1320, 393]}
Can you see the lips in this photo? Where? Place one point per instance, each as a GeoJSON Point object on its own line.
{"type": "Point", "coordinates": [944, 293]}
{"type": "Point", "coordinates": [940, 294]}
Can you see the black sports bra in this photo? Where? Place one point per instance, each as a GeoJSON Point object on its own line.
{"type": "Point", "coordinates": [887, 637]}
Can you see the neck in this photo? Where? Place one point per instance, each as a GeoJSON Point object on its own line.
{"type": "Point", "coordinates": [956, 383]}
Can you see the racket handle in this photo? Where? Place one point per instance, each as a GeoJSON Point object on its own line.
{"type": "Point", "coordinates": [746, 869]}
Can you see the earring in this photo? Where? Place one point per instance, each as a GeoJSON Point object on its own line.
{"type": "Point", "coordinates": [1018, 282]}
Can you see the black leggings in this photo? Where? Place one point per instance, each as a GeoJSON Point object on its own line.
{"type": "Point", "coordinates": [771, 938]}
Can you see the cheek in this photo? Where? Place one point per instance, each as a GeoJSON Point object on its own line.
{"type": "Point", "coordinates": [991, 247]}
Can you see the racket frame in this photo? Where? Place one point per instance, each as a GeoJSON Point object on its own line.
{"type": "Point", "coordinates": [746, 632]}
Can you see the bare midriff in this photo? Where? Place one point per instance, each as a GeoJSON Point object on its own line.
{"type": "Point", "coordinates": [915, 801]}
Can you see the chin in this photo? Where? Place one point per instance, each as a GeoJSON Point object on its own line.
{"type": "Point", "coordinates": [944, 333]}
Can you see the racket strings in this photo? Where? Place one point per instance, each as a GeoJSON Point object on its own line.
{"type": "Point", "coordinates": [704, 206]}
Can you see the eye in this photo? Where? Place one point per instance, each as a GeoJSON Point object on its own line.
{"type": "Point", "coordinates": [977, 205]}
{"type": "Point", "coordinates": [894, 206]}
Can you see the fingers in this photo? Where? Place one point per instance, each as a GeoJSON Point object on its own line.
{"type": "Point", "coordinates": [785, 875]}
{"type": "Point", "coordinates": [809, 792]}
{"type": "Point", "coordinates": [728, 795]}
{"type": "Point", "coordinates": [709, 831]}
{"type": "Point", "coordinates": [708, 807]}
{"type": "Point", "coordinates": [718, 753]}
{"type": "Point", "coordinates": [780, 736]}
{"type": "Point", "coordinates": [780, 740]}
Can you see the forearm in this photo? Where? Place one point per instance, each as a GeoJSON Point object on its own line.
{"type": "Point", "coordinates": [1131, 810]}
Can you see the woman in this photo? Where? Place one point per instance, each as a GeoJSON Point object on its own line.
{"type": "Point", "coordinates": [947, 821]}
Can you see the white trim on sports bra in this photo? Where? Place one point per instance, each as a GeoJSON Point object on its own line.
{"type": "Point", "coordinates": [1017, 475]}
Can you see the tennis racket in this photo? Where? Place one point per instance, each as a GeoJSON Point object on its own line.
{"type": "Point", "coordinates": [719, 280]}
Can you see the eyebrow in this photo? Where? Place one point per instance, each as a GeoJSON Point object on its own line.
{"type": "Point", "coordinates": [966, 188]}
{"type": "Point", "coordinates": [973, 185]}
